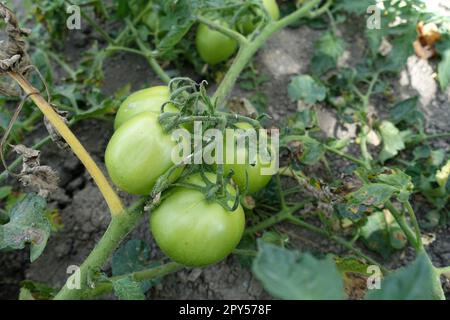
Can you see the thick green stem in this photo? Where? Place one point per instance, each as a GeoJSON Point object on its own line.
{"type": "Point", "coordinates": [119, 227]}
{"type": "Point", "coordinates": [247, 51]}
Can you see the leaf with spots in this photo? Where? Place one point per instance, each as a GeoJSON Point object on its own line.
{"type": "Point", "coordinates": [28, 224]}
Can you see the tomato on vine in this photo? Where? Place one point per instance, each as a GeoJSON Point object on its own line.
{"type": "Point", "coordinates": [138, 153]}
{"type": "Point", "coordinates": [194, 231]}
{"type": "Point", "coordinates": [252, 173]}
{"type": "Point", "coordinates": [213, 46]}
{"type": "Point", "coordinates": [150, 99]}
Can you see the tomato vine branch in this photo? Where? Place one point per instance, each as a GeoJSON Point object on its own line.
{"type": "Point", "coordinates": [247, 51]}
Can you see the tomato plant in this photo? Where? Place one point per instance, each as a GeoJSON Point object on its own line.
{"type": "Point", "coordinates": [194, 231]}
{"type": "Point", "coordinates": [377, 185]}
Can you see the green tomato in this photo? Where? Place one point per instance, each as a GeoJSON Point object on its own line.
{"type": "Point", "coordinates": [138, 153]}
{"type": "Point", "coordinates": [272, 8]}
{"type": "Point", "coordinates": [213, 46]}
{"type": "Point", "coordinates": [150, 99]}
{"type": "Point", "coordinates": [250, 171]}
{"type": "Point", "coordinates": [194, 232]}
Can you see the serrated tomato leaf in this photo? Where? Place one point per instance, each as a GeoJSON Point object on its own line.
{"type": "Point", "coordinates": [393, 141]}
{"type": "Point", "coordinates": [307, 89]}
{"type": "Point", "coordinates": [297, 275]}
{"type": "Point", "coordinates": [28, 224]}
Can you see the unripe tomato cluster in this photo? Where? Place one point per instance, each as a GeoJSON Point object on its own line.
{"type": "Point", "coordinates": [187, 227]}
{"type": "Point", "coordinates": [215, 47]}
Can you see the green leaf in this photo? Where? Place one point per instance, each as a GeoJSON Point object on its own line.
{"type": "Point", "coordinates": [330, 45]}
{"type": "Point", "coordinates": [128, 289]}
{"type": "Point", "coordinates": [352, 6]}
{"type": "Point", "coordinates": [131, 257]}
{"type": "Point", "coordinates": [418, 281]}
{"type": "Point", "coordinates": [27, 225]}
{"type": "Point", "coordinates": [407, 111]}
{"type": "Point", "coordinates": [393, 141]}
{"type": "Point", "coordinates": [444, 70]}
{"type": "Point", "coordinates": [293, 275]}
{"type": "Point", "coordinates": [306, 89]}
{"type": "Point", "coordinates": [401, 181]}
{"type": "Point", "coordinates": [373, 194]}
{"type": "Point", "coordinates": [322, 63]}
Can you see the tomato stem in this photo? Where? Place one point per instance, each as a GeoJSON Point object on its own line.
{"type": "Point", "coordinates": [400, 218]}
{"type": "Point", "coordinates": [118, 228]}
{"type": "Point", "coordinates": [113, 201]}
{"type": "Point", "coordinates": [243, 41]}
{"type": "Point", "coordinates": [247, 50]}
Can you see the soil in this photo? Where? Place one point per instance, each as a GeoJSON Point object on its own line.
{"type": "Point", "coordinates": [84, 213]}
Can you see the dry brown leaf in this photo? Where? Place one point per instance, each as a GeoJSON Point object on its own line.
{"type": "Point", "coordinates": [54, 134]}
{"type": "Point", "coordinates": [43, 178]}
{"type": "Point", "coordinates": [428, 35]}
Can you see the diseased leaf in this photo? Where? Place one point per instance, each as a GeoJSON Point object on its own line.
{"type": "Point", "coordinates": [312, 150]}
{"type": "Point", "coordinates": [128, 289]}
{"type": "Point", "coordinates": [418, 281]}
{"type": "Point", "coordinates": [401, 181]}
{"type": "Point", "coordinates": [374, 194]}
{"type": "Point", "coordinates": [27, 225]}
{"type": "Point", "coordinates": [294, 275]}
{"type": "Point", "coordinates": [305, 88]}
{"type": "Point", "coordinates": [382, 234]}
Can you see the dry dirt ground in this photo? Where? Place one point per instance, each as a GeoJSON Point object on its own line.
{"type": "Point", "coordinates": [85, 215]}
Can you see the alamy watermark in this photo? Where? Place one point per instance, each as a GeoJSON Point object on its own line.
{"type": "Point", "coordinates": [73, 21]}
{"type": "Point", "coordinates": [374, 12]}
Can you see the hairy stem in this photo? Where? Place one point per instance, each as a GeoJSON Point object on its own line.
{"type": "Point", "coordinates": [113, 201]}
{"type": "Point", "coordinates": [118, 228]}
